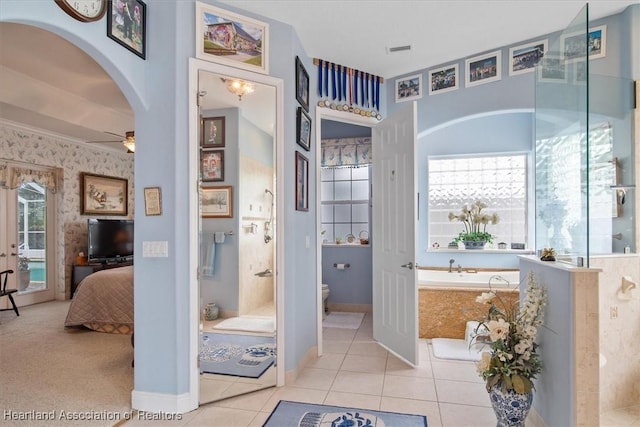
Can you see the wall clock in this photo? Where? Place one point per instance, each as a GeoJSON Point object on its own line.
{"type": "Point", "coordinates": [84, 10]}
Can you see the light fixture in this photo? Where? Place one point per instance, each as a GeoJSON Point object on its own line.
{"type": "Point", "coordinates": [130, 141]}
{"type": "Point", "coordinates": [238, 87]}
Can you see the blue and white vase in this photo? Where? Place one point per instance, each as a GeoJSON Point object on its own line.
{"type": "Point", "coordinates": [511, 408]}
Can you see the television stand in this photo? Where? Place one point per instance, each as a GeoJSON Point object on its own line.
{"type": "Point", "coordinates": [82, 271]}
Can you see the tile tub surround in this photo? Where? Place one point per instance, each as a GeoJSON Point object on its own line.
{"type": "Point", "coordinates": [444, 312]}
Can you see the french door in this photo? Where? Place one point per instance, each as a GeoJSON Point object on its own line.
{"type": "Point", "coordinates": [26, 246]}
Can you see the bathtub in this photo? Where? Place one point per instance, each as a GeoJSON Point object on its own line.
{"type": "Point", "coordinates": [447, 301]}
{"type": "Point", "coordinates": [440, 278]}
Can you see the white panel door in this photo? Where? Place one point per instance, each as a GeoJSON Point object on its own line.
{"type": "Point", "coordinates": [395, 294]}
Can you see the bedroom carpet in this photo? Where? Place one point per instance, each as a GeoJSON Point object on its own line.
{"type": "Point", "coordinates": [296, 414]}
{"type": "Point", "coordinates": [47, 368]}
{"type": "Point", "coordinates": [238, 355]}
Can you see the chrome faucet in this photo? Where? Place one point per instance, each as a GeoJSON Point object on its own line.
{"type": "Point", "coordinates": [451, 261]}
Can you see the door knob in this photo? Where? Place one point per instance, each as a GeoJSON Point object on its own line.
{"type": "Point", "coordinates": [408, 265]}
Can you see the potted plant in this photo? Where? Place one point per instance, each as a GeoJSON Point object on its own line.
{"type": "Point", "coordinates": [512, 362]}
{"type": "Point", "coordinates": [475, 222]}
{"type": "Point", "coordinates": [24, 273]}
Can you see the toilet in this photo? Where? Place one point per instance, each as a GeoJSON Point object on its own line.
{"type": "Point", "coordinates": [325, 294]}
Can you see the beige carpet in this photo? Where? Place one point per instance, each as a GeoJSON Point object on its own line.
{"type": "Point", "coordinates": [47, 368]}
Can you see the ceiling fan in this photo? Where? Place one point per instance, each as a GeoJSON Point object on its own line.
{"type": "Point", "coordinates": [128, 140]}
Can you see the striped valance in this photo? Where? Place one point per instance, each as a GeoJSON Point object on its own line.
{"type": "Point", "coordinates": [346, 152]}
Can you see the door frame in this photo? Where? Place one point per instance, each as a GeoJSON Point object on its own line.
{"type": "Point", "coordinates": [337, 116]}
{"type": "Point", "coordinates": [196, 65]}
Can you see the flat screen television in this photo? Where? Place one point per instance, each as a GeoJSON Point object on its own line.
{"type": "Point", "coordinates": [110, 240]}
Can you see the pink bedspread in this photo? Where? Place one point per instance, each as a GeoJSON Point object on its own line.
{"type": "Point", "coordinates": [103, 301]}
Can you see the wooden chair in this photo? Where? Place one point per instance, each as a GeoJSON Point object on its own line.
{"type": "Point", "coordinates": [7, 292]}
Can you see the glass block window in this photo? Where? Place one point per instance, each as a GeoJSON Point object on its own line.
{"type": "Point", "coordinates": [499, 181]}
{"type": "Point", "coordinates": [345, 202]}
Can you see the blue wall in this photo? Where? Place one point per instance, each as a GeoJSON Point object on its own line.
{"type": "Point", "coordinates": [352, 285]}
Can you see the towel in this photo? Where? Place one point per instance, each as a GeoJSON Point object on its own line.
{"type": "Point", "coordinates": [208, 254]}
{"type": "Point", "coordinates": [219, 236]}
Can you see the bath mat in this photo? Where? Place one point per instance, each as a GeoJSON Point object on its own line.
{"type": "Point", "coordinates": [246, 356]}
{"type": "Point", "coordinates": [338, 319]}
{"type": "Point", "coordinates": [449, 348]}
{"type": "Point", "coordinates": [295, 414]}
{"type": "Point", "coordinates": [248, 323]}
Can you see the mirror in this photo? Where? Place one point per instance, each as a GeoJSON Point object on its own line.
{"type": "Point", "coordinates": [237, 340]}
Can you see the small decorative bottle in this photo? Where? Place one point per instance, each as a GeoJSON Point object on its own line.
{"type": "Point", "coordinates": [211, 311]}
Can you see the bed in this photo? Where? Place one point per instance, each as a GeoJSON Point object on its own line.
{"type": "Point", "coordinates": [103, 302]}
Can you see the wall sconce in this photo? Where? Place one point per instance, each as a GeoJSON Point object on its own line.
{"type": "Point", "coordinates": [239, 87]}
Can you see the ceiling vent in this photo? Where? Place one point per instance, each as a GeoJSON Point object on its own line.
{"type": "Point", "coordinates": [395, 49]}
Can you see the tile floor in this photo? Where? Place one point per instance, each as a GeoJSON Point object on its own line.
{"type": "Point", "coordinates": [356, 372]}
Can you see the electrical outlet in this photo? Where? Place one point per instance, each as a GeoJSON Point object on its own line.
{"type": "Point", "coordinates": [613, 312]}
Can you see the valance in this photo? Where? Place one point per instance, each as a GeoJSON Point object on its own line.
{"type": "Point", "coordinates": [13, 177]}
{"type": "Point", "coordinates": [346, 152]}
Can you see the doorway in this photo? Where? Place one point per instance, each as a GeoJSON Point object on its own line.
{"type": "Point", "coordinates": [25, 245]}
{"type": "Point", "coordinates": [344, 218]}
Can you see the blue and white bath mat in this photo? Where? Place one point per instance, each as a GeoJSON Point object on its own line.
{"type": "Point", "coordinates": [238, 355]}
{"type": "Point", "coordinates": [295, 414]}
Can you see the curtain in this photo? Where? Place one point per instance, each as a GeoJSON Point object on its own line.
{"type": "Point", "coordinates": [13, 177]}
{"type": "Point", "coordinates": [346, 152]}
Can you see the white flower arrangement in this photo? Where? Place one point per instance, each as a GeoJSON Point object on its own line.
{"type": "Point", "coordinates": [513, 361]}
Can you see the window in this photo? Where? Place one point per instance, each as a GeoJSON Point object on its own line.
{"type": "Point", "coordinates": [345, 202]}
{"type": "Point", "coordinates": [499, 181]}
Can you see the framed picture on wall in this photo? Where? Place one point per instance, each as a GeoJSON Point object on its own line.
{"type": "Point", "coordinates": [409, 88]}
{"type": "Point", "coordinates": [152, 201]}
{"type": "Point", "coordinates": [524, 58]}
{"type": "Point", "coordinates": [443, 79]}
{"type": "Point", "coordinates": [217, 202]}
{"type": "Point", "coordinates": [127, 24]}
{"type": "Point", "coordinates": [231, 39]}
{"type": "Point", "coordinates": [212, 165]}
{"type": "Point", "coordinates": [302, 85]}
{"type": "Point", "coordinates": [212, 132]}
{"type": "Point", "coordinates": [302, 182]}
{"type": "Point", "coordinates": [575, 45]}
{"type": "Point", "coordinates": [303, 129]}
{"type": "Point", "coordinates": [483, 69]}
{"type": "Point", "coordinates": [103, 195]}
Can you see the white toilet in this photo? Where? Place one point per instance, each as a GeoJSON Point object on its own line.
{"type": "Point", "coordinates": [325, 294]}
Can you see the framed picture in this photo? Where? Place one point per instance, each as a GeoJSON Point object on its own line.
{"type": "Point", "coordinates": [127, 24]}
{"type": "Point", "coordinates": [552, 70]}
{"type": "Point", "coordinates": [212, 165]}
{"type": "Point", "coordinates": [524, 58]}
{"type": "Point", "coordinates": [152, 201]}
{"type": "Point", "coordinates": [443, 79]}
{"type": "Point", "coordinates": [302, 182]}
{"type": "Point", "coordinates": [212, 132]}
{"type": "Point", "coordinates": [303, 129]}
{"type": "Point", "coordinates": [103, 195]}
{"type": "Point", "coordinates": [576, 45]}
{"type": "Point", "coordinates": [483, 69]}
{"type": "Point", "coordinates": [231, 39]}
{"type": "Point", "coordinates": [409, 88]}
{"type": "Point", "coordinates": [217, 202]}
{"type": "Point", "coordinates": [302, 85]}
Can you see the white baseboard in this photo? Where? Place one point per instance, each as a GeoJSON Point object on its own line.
{"type": "Point", "coordinates": [165, 403]}
{"type": "Point", "coordinates": [309, 356]}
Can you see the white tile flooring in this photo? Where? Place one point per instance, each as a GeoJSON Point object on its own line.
{"type": "Point", "coordinates": [356, 372]}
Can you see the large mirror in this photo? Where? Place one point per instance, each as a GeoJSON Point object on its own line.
{"type": "Point", "coordinates": [237, 337]}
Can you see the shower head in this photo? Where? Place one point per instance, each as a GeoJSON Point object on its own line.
{"type": "Point", "coordinates": [268, 191]}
